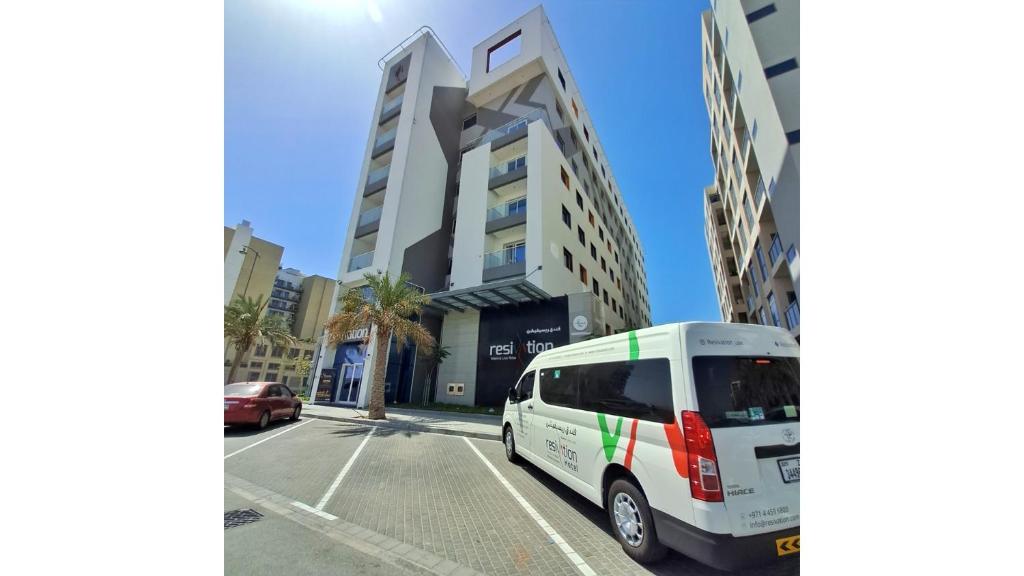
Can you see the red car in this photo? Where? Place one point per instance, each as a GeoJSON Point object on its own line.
{"type": "Point", "coordinates": [259, 403]}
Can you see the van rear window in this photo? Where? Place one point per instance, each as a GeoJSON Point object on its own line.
{"type": "Point", "coordinates": [747, 391]}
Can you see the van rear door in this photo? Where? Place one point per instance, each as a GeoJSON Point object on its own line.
{"type": "Point", "coordinates": [752, 406]}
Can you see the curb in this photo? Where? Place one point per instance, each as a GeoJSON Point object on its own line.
{"type": "Point", "coordinates": [411, 427]}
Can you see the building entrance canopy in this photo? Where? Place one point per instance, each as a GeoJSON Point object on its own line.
{"type": "Point", "coordinates": [488, 295]}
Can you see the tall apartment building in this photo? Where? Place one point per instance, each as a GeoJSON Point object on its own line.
{"type": "Point", "coordinates": [751, 51]}
{"type": "Point", "coordinates": [496, 197]}
{"type": "Point", "coordinates": [252, 267]}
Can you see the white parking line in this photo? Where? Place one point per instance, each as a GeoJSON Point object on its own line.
{"type": "Point", "coordinates": [309, 508]}
{"type": "Point", "coordinates": [334, 486]}
{"type": "Point", "coordinates": [571, 554]}
{"type": "Point", "coordinates": [288, 429]}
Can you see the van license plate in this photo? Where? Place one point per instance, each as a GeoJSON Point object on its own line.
{"type": "Point", "coordinates": [790, 469]}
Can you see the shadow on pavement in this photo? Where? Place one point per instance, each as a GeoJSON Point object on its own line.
{"type": "Point", "coordinates": [674, 563]}
{"type": "Point", "coordinates": [379, 431]}
{"type": "Point", "coordinates": [241, 430]}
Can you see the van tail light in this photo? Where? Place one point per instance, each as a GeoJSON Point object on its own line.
{"type": "Point", "coordinates": [703, 464]}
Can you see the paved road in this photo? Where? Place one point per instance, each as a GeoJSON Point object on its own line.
{"type": "Point", "coordinates": [413, 503]}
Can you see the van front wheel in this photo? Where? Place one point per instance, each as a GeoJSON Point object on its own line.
{"type": "Point", "coordinates": [510, 445]}
{"type": "Point", "coordinates": [632, 522]}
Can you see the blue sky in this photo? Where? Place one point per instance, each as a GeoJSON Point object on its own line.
{"type": "Point", "coordinates": [301, 80]}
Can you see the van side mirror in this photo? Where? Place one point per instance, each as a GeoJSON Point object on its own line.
{"type": "Point", "coordinates": [512, 397]}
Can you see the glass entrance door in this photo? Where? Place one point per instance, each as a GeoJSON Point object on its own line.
{"type": "Point", "coordinates": [350, 379]}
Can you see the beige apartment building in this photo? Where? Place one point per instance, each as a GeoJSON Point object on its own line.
{"type": "Point", "coordinates": [750, 51]}
{"type": "Point", "coordinates": [252, 267]}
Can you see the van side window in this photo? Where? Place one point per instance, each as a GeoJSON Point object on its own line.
{"type": "Point", "coordinates": [558, 387]}
{"type": "Point", "coordinates": [524, 389]}
{"type": "Point", "coordinates": [635, 389]}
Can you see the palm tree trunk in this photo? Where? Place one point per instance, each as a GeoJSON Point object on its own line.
{"type": "Point", "coordinates": [234, 365]}
{"type": "Point", "coordinates": [380, 365]}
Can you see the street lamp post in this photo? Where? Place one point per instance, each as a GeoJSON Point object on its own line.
{"type": "Point", "coordinates": [245, 250]}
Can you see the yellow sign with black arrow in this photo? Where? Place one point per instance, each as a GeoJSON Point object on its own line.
{"type": "Point", "coordinates": [788, 545]}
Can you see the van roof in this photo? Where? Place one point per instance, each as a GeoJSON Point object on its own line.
{"type": "Point", "coordinates": [661, 329]}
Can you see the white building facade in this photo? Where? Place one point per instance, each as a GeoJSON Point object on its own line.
{"type": "Point", "coordinates": [495, 196]}
{"type": "Point", "coordinates": [750, 53]}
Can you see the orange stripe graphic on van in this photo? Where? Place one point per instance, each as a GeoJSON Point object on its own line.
{"type": "Point", "coordinates": [631, 445]}
{"type": "Point", "coordinates": [678, 446]}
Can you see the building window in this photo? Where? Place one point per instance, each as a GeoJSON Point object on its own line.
{"type": "Point", "coordinates": [561, 143]}
{"type": "Point", "coordinates": [254, 377]}
{"type": "Point", "coordinates": [255, 364]}
{"type": "Point", "coordinates": [583, 238]}
{"type": "Point", "coordinates": [561, 78]}
{"type": "Point", "coordinates": [515, 252]}
{"type": "Point", "coordinates": [760, 13]}
{"type": "Point", "coordinates": [273, 366]}
{"type": "Point", "coordinates": [567, 257]}
{"type": "Point", "coordinates": [764, 319]}
{"type": "Point", "coordinates": [505, 50]}
{"type": "Point", "coordinates": [600, 233]}
{"type": "Point", "coordinates": [791, 254]}
{"type": "Point", "coordinates": [277, 352]}
{"type": "Point", "coordinates": [747, 210]}
{"type": "Point", "coordinates": [558, 110]}
{"type": "Point", "coordinates": [271, 377]}
{"type": "Point", "coordinates": [780, 68]}
{"type": "Point", "coordinates": [469, 122]}
{"type": "Point", "coordinates": [293, 353]}
{"type": "Point", "coordinates": [566, 217]}
{"type": "Point", "coordinates": [605, 297]}
{"type": "Point", "coordinates": [583, 275]}
{"type": "Point", "coordinates": [774, 308]}
{"type": "Point", "coordinates": [565, 177]}
{"type": "Point", "coordinates": [739, 81]}
{"type": "Point", "coordinates": [605, 175]}
{"type": "Point", "coordinates": [611, 274]}
{"type": "Point", "coordinates": [575, 110]}
{"type": "Point", "coordinates": [591, 217]}
{"type": "Point", "coordinates": [261, 350]}
{"type": "Point", "coordinates": [793, 137]}
{"type": "Point", "coordinates": [616, 257]}
{"type": "Point", "coordinates": [307, 354]}
{"type": "Point", "coordinates": [579, 200]}
{"type": "Point", "coordinates": [771, 188]}
{"type": "Point", "coordinates": [604, 265]}
{"type": "Point", "coordinates": [597, 288]}
{"type": "Point", "coordinates": [607, 329]}
{"type": "Point", "coordinates": [615, 308]}
{"type": "Point", "coordinates": [753, 130]}
{"type": "Point", "coordinates": [586, 135]}
{"type": "Point", "coordinates": [593, 251]}
{"type": "Point", "coordinates": [760, 260]}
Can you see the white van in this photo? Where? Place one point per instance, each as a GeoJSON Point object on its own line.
{"type": "Point", "coordinates": [688, 434]}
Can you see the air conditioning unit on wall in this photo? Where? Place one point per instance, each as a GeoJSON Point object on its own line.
{"type": "Point", "coordinates": [456, 389]}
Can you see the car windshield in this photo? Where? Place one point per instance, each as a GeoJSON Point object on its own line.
{"type": "Point", "coordinates": [747, 391]}
{"type": "Point", "coordinates": [242, 389]}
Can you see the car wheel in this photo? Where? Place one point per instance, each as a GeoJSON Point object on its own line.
{"type": "Point", "coordinates": [296, 412]}
{"type": "Point", "coordinates": [633, 523]}
{"type": "Point", "coordinates": [264, 420]}
{"type": "Point", "coordinates": [510, 445]}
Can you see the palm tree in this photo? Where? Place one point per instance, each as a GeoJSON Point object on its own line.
{"type": "Point", "coordinates": [245, 325]}
{"type": "Point", "coordinates": [434, 358]}
{"type": "Point", "coordinates": [388, 311]}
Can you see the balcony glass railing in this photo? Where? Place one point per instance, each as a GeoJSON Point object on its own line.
{"type": "Point", "coordinates": [793, 315]}
{"type": "Point", "coordinates": [370, 216]}
{"type": "Point", "coordinates": [391, 104]}
{"type": "Point", "coordinates": [775, 252]}
{"type": "Point", "coordinates": [509, 166]}
{"type": "Point", "coordinates": [510, 208]}
{"type": "Point", "coordinates": [505, 256]}
{"type": "Point", "coordinates": [791, 254]}
{"type": "Point", "coordinates": [377, 175]}
{"type": "Point", "coordinates": [759, 192]}
{"type": "Point", "coordinates": [386, 137]}
{"type": "Point", "coordinates": [744, 142]}
{"type": "Point", "coordinates": [360, 261]}
{"type": "Point", "coordinates": [510, 127]}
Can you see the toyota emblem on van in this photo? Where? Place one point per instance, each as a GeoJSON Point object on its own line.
{"type": "Point", "coordinates": [788, 436]}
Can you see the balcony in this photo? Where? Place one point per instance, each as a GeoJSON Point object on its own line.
{"type": "Point", "coordinates": [505, 263]}
{"type": "Point", "coordinates": [509, 132]}
{"type": "Point", "coordinates": [369, 221]}
{"type": "Point", "coordinates": [391, 109]}
{"type": "Point", "coordinates": [506, 215]}
{"type": "Point", "coordinates": [384, 142]}
{"type": "Point", "coordinates": [377, 180]}
{"type": "Point", "coordinates": [360, 261]}
{"type": "Point", "coordinates": [793, 315]}
{"type": "Point", "coordinates": [758, 193]}
{"type": "Point", "coordinates": [507, 172]}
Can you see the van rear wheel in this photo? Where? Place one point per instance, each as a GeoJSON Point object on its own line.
{"type": "Point", "coordinates": [633, 523]}
{"type": "Point", "coordinates": [510, 445]}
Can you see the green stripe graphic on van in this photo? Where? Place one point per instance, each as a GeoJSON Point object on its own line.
{"type": "Point", "coordinates": [610, 441]}
{"type": "Point", "coordinates": [634, 346]}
